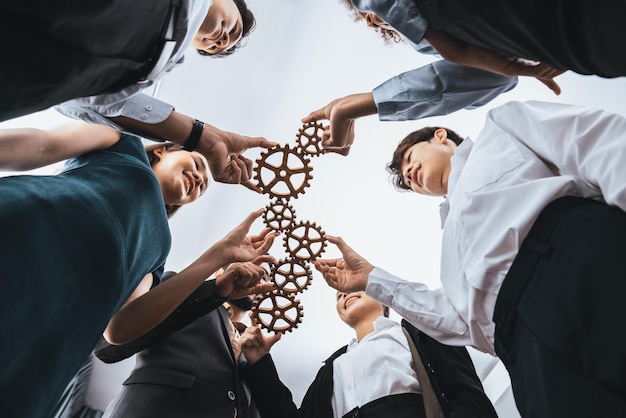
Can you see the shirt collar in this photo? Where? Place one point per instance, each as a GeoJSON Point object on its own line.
{"type": "Point", "coordinates": [380, 324]}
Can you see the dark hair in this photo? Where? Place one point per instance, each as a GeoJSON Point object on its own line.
{"type": "Point", "coordinates": [387, 34]}
{"type": "Point", "coordinates": [248, 23]}
{"type": "Point", "coordinates": [152, 159]}
{"type": "Point", "coordinates": [422, 135]}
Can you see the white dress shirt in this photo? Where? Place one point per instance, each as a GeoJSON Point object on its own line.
{"type": "Point", "coordinates": [379, 365]}
{"type": "Point", "coordinates": [527, 155]}
{"type": "Point", "coordinates": [130, 102]}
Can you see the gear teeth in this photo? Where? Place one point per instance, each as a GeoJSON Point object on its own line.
{"type": "Point", "coordinates": [277, 312]}
{"type": "Point", "coordinates": [283, 173]}
{"type": "Point", "coordinates": [309, 139]}
{"type": "Point", "coordinates": [291, 276]}
{"type": "Point", "coordinates": [305, 241]}
{"type": "Point", "coordinates": [279, 215]}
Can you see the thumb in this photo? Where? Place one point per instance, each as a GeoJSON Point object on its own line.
{"type": "Point", "coordinates": [273, 339]}
{"type": "Point", "coordinates": [314, 116]}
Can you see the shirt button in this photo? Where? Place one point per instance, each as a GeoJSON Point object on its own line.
{"type": "Point", "coordinates": [144, 117]}
{"type": "Point", "coordinates": [231, 395]}
{"type": "Point", "coordinates": [148, 108]}
{"type": "Point", "coordinates": [413, 12]}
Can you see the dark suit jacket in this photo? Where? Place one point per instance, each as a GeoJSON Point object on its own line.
{"type": "Point", "coordinates": [450, 369]}
{"type": "Point", "coordinates": [182, 370]}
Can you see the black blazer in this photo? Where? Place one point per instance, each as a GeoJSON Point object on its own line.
{"type": "Point", "coordinates": [450, 369]}
{"type": "Point", "coordinates": [185, 366]}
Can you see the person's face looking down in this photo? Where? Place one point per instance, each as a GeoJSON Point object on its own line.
{"type": "Point", "coordinates": [221, 30]}
{"type": "Point", "coordinates": [353, 307]}
{"type": "Point", "coordinates": [426, 165]}
{"type": "Point", "coordinates": [183, 176]}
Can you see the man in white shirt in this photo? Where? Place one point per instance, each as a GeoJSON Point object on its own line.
{"type": "Point", "coordinates": [103, 54]}
{"type": "Point", "coordinates": [541, 288]}
{"type": "Point", "coordinates": [374, 375]}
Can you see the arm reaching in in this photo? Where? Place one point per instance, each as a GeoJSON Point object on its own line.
{"type": "Point", "coordinates": [462, 53]}
{"type": "Point", "coordinates": [222, 149]}
{"type": "Point", "coordinates": [347, 274]}
{"type": "Point", "coordinates": [28, 148]}
{"type": "Point", "coordinates": [341, 113]}
{"type": "Point", "coordinates": [144, 313]}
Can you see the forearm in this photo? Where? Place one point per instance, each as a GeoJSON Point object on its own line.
{"type": "Point", "coordinates": [202, 301]}
{"type": "Point", "coordinates": [146, 312]}
{"type": "Point", "coordinates": [462, 53]}
{"type": "Point", "coordinates": [356, 106]}
{"type": "Point", "coordinates": [436, 89]}
{"type": "Point", "coordinates": [28, 148]}
{"type": "Point", "coordinates": [176, 127]}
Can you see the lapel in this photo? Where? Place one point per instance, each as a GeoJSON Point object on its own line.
{"type": "Point", "coordinates": [225, 327]}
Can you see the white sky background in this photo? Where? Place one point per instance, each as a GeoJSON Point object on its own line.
{"type": "Point", "coordinates": [302, 55]}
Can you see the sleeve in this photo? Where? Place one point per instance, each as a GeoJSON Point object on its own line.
{"type": "Point", "coordinates": [272, 398]}
{"type": "Point", "coordinates": [97, 109]}
{"type": "Point", "coordinates": [202, 301]}
{"type": "Point", "coordinates": [436, 89]}
{"type": "Point", "coordinates": [454, 377]}
{"type": "Point", "coordinates": [585, 143]}
{"type": "Point", "coordinates": [429, 310]}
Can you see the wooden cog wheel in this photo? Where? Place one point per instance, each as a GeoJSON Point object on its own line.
{"type": "Point", "coordinates": [305, 241]}
{"type": "Point", "coordinates": [291, 276]}
{"type": "Point", "coordinates": [277, 312]}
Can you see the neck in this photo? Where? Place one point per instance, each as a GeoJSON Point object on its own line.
{"type": "Point", "coordinates": [364, 328]}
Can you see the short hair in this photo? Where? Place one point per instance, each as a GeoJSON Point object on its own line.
{"type": "Point", "coordinates": [387, 34]}
{"type": "Point", "coordinates": [152, 159]}
{"type": "Point", "coordinates": [421, 135]}
{"type": "Point", "coordinates": [248, 23]}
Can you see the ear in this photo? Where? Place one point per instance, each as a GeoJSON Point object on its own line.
{"type": "Point", "coordinates": [441, 135]}
{"type": "Point", "coordinates": [372, 20]}
{"type": "Point", "coordinates": [159, 152]}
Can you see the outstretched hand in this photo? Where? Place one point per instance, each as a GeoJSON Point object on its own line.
{"type": "Point", "coordinates": [540, 71]}
{"type": "Point", "coordinates": [255, 344]}
{"type": "Point", "coordinates": [347, 274]}
{"type": "Point", "coordinates": [341, 113]}
{"type": "Point", "coordinates": [242, 279]}
{"type": "Point", "coordinates": [237, 246]}
{"type": "Point", "coordinates": [223, 151]}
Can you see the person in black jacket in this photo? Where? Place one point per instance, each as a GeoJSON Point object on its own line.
{"type": "Point", "coordinates": [188, 365]}
{"type": "Point", "coordinates": [374, 375]}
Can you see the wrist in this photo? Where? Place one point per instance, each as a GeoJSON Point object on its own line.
{"type": "Point", "coordinates": [193, 139]}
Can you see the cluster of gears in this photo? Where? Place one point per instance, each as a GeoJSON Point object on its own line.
{"type": "Point", "coordinates": [284, 172]}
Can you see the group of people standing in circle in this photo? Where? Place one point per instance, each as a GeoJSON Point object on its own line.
{"type": "Point", "coordinates": [83, 251]}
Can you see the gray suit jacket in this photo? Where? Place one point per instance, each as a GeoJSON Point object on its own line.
{"type": "Point", "coordinates": [184, 373]}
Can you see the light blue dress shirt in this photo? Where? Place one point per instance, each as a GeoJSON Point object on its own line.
{"type": "Point", "coordinates": [436, 89]}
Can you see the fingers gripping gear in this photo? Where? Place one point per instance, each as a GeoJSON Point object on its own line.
{"type": "Point", "coordinates": [282, 172]}
{"type": "Point", "coordinates": [277, 312]}
{"type": "Point", "coordinates": [291, 276]}
{"type": "Point", "coordinates": [305, 241]}
{"type": "Point", "coordinates": [309, 139]}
